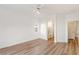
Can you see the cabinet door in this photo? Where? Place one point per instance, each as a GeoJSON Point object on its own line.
{"type": "Point", "coordinates": [72, 29]}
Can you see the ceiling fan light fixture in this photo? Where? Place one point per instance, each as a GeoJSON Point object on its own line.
{"type": "Point", "coordinates": [36, 11]}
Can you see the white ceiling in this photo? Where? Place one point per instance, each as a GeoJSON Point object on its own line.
{"type": "Point", "coordinates": [60, 8]}
{"type": "Point", "coordinates": [45, 9]}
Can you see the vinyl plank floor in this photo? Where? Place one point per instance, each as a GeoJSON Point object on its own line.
{"type": "Point", "coordinates": [41, 47]}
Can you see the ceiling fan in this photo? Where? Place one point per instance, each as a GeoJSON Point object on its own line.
{"type": "Point", "coordinates": [37, 9]}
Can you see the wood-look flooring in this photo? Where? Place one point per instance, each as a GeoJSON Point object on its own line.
{"type": "Point", "coordinates": [42, 47]}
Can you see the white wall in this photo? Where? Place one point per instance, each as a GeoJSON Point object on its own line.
{"type": "Point", "coordinates": [61, 29]}
{"type": "Point", "coordinates": [43, 27]}
{"type": "Point", "coordinates": [15, 28]}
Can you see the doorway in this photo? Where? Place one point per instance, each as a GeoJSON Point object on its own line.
{"type": "Point", "coordinates": [50, 31]}
{"type": "Point", "coordinates": [73, 31]}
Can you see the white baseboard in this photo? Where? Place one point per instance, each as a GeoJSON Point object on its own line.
{"type": "Point", "coordinates": [13, 43]}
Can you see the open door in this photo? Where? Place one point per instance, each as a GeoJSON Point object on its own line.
{"type": "Point", "coordinates": [72, 27]}
{"type": "Point", "coordinates": [72, 36]}
{"type": "Point", "coordinates": [50, 31]}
